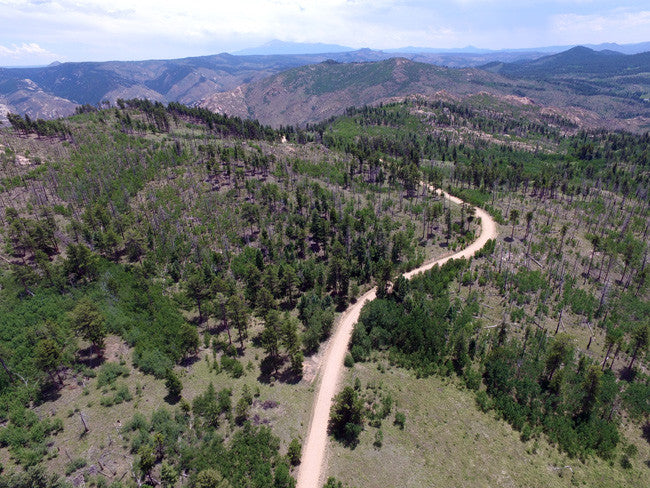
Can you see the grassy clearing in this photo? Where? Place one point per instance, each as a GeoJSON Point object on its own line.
{"type": "Point", "coordinates": [284, 407]}
{"type": "Point", "coordinates": [448, 441]}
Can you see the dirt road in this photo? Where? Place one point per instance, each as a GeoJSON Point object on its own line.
{"type": "Point", "coordinates": [313, 451]}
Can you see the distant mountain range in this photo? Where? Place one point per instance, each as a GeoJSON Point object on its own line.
{"type": "Point", "coordinates": [621, 77]}
{"type": "Point", "coordinates": [282, 47]}
{"type": "Point", "coordinates": [316, 92]}
{"type": "Point", "coordinates": [56, 90]}
{"type": "Point", "coordinates": [612, 46]}
{"type": "Point", "coordinates": [617, 83]}
{"type": "Point", "coordinates": [576, 62]}
{"type": "Point", "coordinates": [595, 88]}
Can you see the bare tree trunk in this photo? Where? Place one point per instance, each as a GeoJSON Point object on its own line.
{"type": "Point", "coordinates": [83, 421]}
{"type": "Point", "coordinates": [618, 349]}
{"type": "Point", "coordinates": [559, 321]}
{"type": "Point", "coordinates": [589, 267]}
{"type": "Point", "coordinates": [606, 356]}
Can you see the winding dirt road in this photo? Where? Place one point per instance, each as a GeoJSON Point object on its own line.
{"type": "Point", "coordinates": [313, 452]}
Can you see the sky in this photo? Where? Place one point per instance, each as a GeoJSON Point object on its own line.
{"type": "Point", "coordinates": [37, 32]}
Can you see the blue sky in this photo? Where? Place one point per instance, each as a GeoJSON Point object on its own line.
{"type": "Point", "coordinates": [42, 31]}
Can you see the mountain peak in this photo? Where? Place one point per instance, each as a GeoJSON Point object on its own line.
{"type": "Point", "coordinates": [579, 50]}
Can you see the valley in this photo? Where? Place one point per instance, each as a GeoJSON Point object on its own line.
{"type": "Point", "coordinates": [602, 88]}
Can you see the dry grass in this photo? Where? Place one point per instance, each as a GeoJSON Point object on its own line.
{"type": "Point", "coordinates": [447, 442]}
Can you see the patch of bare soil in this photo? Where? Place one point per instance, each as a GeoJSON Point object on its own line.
{"type": "Point", "coordinates": [22, 161]}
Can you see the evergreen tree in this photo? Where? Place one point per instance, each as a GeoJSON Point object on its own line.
{"type": "Point", "coordinates": [173, 385]}
{"type": "Point", "coordinates": [346, 417]}
{"type": "Point", "coordinates": [89, 321]}
{"type": "Point", "coordinates": [47, 356]}
{"type": "Point", "coordinates": [189, 340]}
{"type": "Point", "coordinates": [239, 316]}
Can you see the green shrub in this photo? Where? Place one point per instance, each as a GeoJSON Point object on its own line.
{"type": "Point", "coordinates": [346, 416]}
{"type": "Point", "coordinates": [152, 361]}
{"type": "Point", "coordinates": [109, 372]}
{"type": "Point", "coordinates": [483, 401]}
{"type": "Point", "coordinates": [294, 451]}
{"type": "Point", "coordinates": [625, 462]}
{"type": "Point", "coordinates": [173, 384]}
{"type": "Point", "coordinates": [241, 411]}
{"type": "Point", "coordinates": [472, 379]}
{"type": "Point", "coordinates": [75, 465]}
{"type": "Point", "coordinates": [348, 361]}
{"type": "Point", "coordinates": [121, 395]}
{"type": "Point", "coordinates": [379, 439]}
{"type": "Point", "coordinates": [26, 436]}
{"type": "Point", "coordinates": [232, 366]}
{"type": "Point", "coordinates": [400, 420]}
{"type": "Point", "coordinates": [138, 422]}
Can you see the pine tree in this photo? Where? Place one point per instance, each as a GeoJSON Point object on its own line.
{"type": "Point", "coordinates": [88, 321]}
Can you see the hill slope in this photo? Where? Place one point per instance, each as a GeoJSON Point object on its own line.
{"type": "Point", "coordinates": [587, 72]}
{"type": "Point", "coordinates": [63, 86]}
{"type": "Point", "coordinates": [56, 89]}
{"type": "Point", "coordinates": [154, 223]}
{"type": "Point", "coordinates": [311, 93]}
{"type": "Point", "coordinates": [578, 61]}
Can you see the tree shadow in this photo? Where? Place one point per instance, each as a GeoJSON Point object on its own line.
{"type": "Point", "coordinates": [350, 443]}
{"type": "Point", "coordinates": [172, 399]}
{"type": "Point", "coordinates": [257, 340]}
{"type": "Point", "coordinates": [89, 358]}
{"type": "Point", "coordinates": [341, 306]}
{"type": "Point", "coordinates": [508, 239]}
{"type": "Point", "coordinates": [270, 372]}
{"type": "Point", "coordinates": [218, 329]}
{"type": "Point", "coordinates": [289, 377]}
{"type": "Point", "coordinates": [189, 361]}
{"type": "Point", "coordinates": [645, 431]}
{"type": "Point", "coordinates": [198, 321]}
{"type": "Point", "coordinates": [50, 391]}
{"type": "Point", "coordinates": [627, 374]}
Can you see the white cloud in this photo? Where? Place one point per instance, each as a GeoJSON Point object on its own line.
{"type": "Point", "coordinates": [127, 29]}
{"type": "Point", "coordinates": [623, 26]}
{"type": "Point", "coordinates": [201, 20]}
{"type": "Point", "coordinates": [24, 50]}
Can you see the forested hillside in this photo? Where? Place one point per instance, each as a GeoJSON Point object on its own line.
{"type": "Point", "coordinates": [185, 235]}
{"type": "Point", "coordinates": [55, 90]}
{"type": "Point", "coordinates": [168, 275]}
{"type": "Point", "coordinates": [572, 85]}
{"type": "Point", "coordinates": [549, 325]}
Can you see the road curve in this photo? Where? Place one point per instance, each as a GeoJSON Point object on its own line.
{"type": "Point", "coordinates": [313, 452]}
